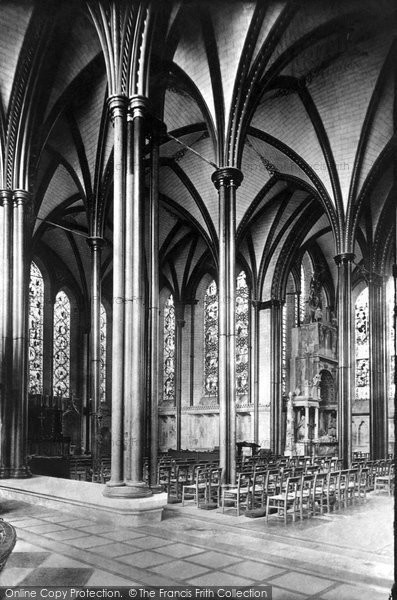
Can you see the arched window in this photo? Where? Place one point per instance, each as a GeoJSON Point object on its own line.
{"type": "Point", "coordinates": [303, 297]}
{"type": "Point", "coordinates": [36, 308]}
{"type": "Point", "coordinates": [169, 350]}
{"type": "Point", "coordinates": [103, 338]}
{"type": "Point", "coordinates": [211, 340]}
{"type": "Point", "coordinates": [284, 350]}
{"type": "Point", "coordinates": [61, 364]}
{"type": "Point", "coordinates": [362, 346]}
{"type": "Point", "coordinates": [242, 333]}
{"type": "Point", "coordinates": [211, 345]}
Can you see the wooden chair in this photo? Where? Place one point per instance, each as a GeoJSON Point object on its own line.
{"type": "Point", "coordinates": [196, 491]}
{"type": "Point", "coordinates": [287, 502]}
{"type": "Point", "coordinates": [384, 479]}
{"type": "Point", "coordinates": [259, 488]}
{"type": "Point", "coordinates": [306, 498]}
{"type": "Point", "coordinates": [238, 495]}
{"type": "Point", "coordinates": [320, 492]}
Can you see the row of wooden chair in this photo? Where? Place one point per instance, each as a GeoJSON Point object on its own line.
{"type": "Point", "coordinates": [308, 494]}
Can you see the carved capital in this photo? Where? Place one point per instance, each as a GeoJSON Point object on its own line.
{"type": "Point", "coordinates": [344, 258]}
{"type": "Point", "coordinates": [138, 106]}
{"type": "Point", "coordinates": [95, 243]}
{"type": "Point", "coordinates": [117, 106]}
{"type": "Point", "coordinates": [227, 176]}
{"type": "Point", "coordinates": [21, 197]}
{"type": "Point", "coordinates": [5, 196]}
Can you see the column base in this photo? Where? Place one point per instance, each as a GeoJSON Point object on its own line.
{"type": "Point", "coordinates": [4, 472]}
{"type": "Point", "coordinates": [156, 489]}
{"type": "Point", "coordinates": [130, 490]}
{"type": "Point", "coordinates": [19, 473]}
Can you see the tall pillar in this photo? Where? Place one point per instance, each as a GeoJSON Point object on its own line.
{"type": "Point", "coordinates": [154, 306]}
{"type": "Point", "coordinates": [345, 379]}
{"type": "Point", "coordinates": [179, 323]}
{"type": "Point", "coordinates": [227, 180]}
{"type": "Point", "coordinates": [6, 341]}
{"type": "Point", "coordinates": [19, 396]}
{"type": "Point", "coordinates": [378, 385]}
{"type": "Point", "coordinates": [117, 106]}
{"type": "Point", "coordinates": [95, 244]}
{"type": "Point", "coordinates": [275, 383]}
{"type": "Point", "coordinates": [255, 365]}
{"type": "Point", "coordinates": [135, 403]}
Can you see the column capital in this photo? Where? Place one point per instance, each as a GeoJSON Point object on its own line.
{"type": "Point", "coordinates": [21, 197]}
{"type": "Point", "coordinates": [138, 106]}
{"type": "Point", "coordinates": [273, 303]}
{"type": "Point", "coordinates": [344, 257]}
{"type": "Point", "coordinates": [227, 175]}
{"type": "Point", "coordinates": [5, 195]}
{"type": "Point", "coordinates": [117, 105]}
{"type": "Point", "coordinates": [258, 304]}
{"type": "Point", "coordinates": [95, 242]}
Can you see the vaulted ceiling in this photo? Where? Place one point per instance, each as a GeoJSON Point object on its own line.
{"type": "Point", "coordinates": [301, 96]}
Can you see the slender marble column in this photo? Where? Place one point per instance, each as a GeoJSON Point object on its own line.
{"type": "Point", "coordinates": [345, 379]}
{"type": "Point", "coordinates": [255, 365]}
{"type": "Point", "coordinates": [316, 424]}
{"type": "Point", "coordinates": [19, 395]}
{"type": "Point", "coordinates": [378, 384]}
{"type": "Point", "coordinates": [180, 323]}
{"type": "Point", "coordinates": [117, 106]}
{"type": "Point", "coordinates": [154, 308]}
{"type": "Point", "coordinates": [276, 396]}
{"type": "Point", "coordinates": [95, 244]}
{"type": "Point", "coordinates": [227, 180]}
{"type": "Point", "coordinates": [6, 274]}
{"type": "Point", "coordinates": [134, 429]}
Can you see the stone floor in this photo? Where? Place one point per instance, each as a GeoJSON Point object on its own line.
{"type": "Point", "coordinates": [344, 555]}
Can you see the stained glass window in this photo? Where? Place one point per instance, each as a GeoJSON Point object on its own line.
{"type": "Point", "coordinates": [211, 340]}
{"type": "Point", "coordinates": [169, 349]}
{"type": "Point", "coordinates": [36, 307]}
{"type": "Point", "coordinates": [303, 298]}
{"type": "Point", "coordinates": [242, 332]}
{"type": "Point", "coordinates": [61, 365]}
{"type": "Point", "coordinates": [284, 350]}
{"type": "Point", "coordinates": [362, 346]}
{"type": "Point", "coordinates": [102, 376]}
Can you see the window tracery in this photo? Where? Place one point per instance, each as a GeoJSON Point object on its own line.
{"type": "Point", "coordinates": [36, 325]}
{"type": "Point", "coordinates": [242, 331]}
{"type": "Point", "coordinates": [211, 345]}
{"type": "Point", "coordinates": [61, 376]}
{"type": "Point", "coordinates": [102, 377]}
{"type": "Point", "coordinates": [362, 345]}
{"type": "Point", "coordinates": [169, 350]}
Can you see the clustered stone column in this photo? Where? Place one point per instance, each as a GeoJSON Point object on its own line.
{"type": "Point", "coordinates": [377, 340]}
{"type": "Point", "coordinates": [345, 379]}
{"type": "Point", "coordinates": [276, 396]}
{"type": "Point", "coordinates": [227, 180]}
{"type": "Point", "coordinates": [15, 277]}
{"type": "Point", "coordinates": [95, 244]}
{"type": "Point", "coordinates": [128, 357]}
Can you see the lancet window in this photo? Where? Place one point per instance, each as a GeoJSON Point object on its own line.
{"type": "Point", "coordinates": [211, 345]}
{"type": "Point", "coordinates": [103, 339]}
{"type": "Point", "coordinates": [36, 321]}
{"type": "Point", "coordinates": [169, 350]}
{"type": "Point", "coordinates": [362, 346]}
{"type": "Point", "coordinates": [242, 332]}
{"type": "Point", "coordinates": [61, 364]}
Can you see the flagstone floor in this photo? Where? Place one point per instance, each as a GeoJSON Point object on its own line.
{"type": "Point", "coordinates": [344, 555]}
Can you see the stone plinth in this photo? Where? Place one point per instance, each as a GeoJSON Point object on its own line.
{"type": "Point", "coordinates": [85, 499]}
